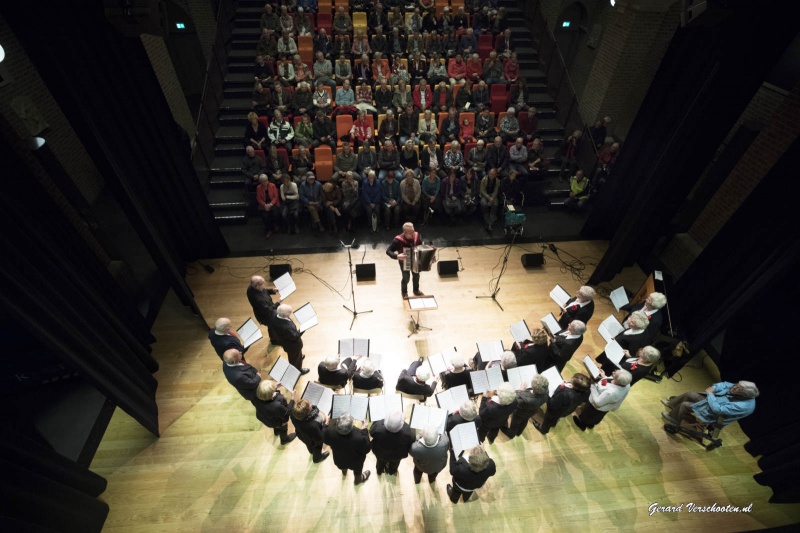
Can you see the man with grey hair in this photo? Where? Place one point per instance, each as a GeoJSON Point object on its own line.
{"type": "Point", "coordinates": [467, 412]}
{"type": "Point", "coordinates": [349, 445]}
{"type": "Point", "coordinates": [243, 377]}
{"type": "Point", "coordinates": [414, 380]}
{"type": "Point", "coordinates": [726, 399]}
{"type": "Point", "coordinates": [579, 307]}
{"type": "Point", "coordinates": [495, 409]}
{"type": "Point", "coordinates": [528, 400]}
{"type": "Point", "coordinates": [456, 375]}
{"type": "Point", "coordinates": [288, 337]}
{"type": "Point", "coordinates": [260, 298]}
{"type": "Point", "coordinates": [604, 396]}
{"type": "Point", "coordinates": [223, 337]}
{"type": "Point", "coordinates": [392, 438]}
{"type": "Point", "coordinates": [334, 372]}
{"type": "Point", "coordinates": [368, 377]}
{"type": "Point", "coordinates": [429, 453]}
{"type": "Point", "coordinates": [564, 344]}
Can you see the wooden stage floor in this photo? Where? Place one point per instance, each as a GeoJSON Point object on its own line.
{"type": "Point", "coordinates": [216, 468]}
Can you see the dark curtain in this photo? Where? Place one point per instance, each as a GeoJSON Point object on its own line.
{"type": "Point", "coordinates": [106, 87]}
{"type": "Point", "coordinates": [55, 285]}
{"type": "Point", "coordinates": [745, 284]}
{"type": "Point", "coordinates": [697, 94]}
{"type": "Point", "coordinates": [43, 491]}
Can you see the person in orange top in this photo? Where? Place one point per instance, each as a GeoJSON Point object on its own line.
{"type": "Point", "coordinates": [474, 68]}
{"type": "Point", "coordinates": [466, 133]}
{"type": "Point", "coordinates": [457, 70]}
{"type": "Point", "coordinates": [379, 68]}
{"type": "Point", "coordinates": [511, 69]}
{"type": "Point", "coordinates": [268, 204]}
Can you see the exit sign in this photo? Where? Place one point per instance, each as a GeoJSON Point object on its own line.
{"type": "Point", "coordinates": [565, 24]}
{"type": "Point", "coordinates": [180, 25]}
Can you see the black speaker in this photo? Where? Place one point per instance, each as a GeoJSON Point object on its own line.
{"type": "Point", "coordinates": [532, 260]}
{"type": "Point", "coordinates": [276, 271]}
{"type": "Point", "coordinates": [365, 272]}
{"type": "Point", "coordinates": [447, 268]}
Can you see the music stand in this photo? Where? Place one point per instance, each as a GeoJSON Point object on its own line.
{"type": "Point", "coordinates": [352, 285]}
{"type": "Point", "coordinates": [418, 304]}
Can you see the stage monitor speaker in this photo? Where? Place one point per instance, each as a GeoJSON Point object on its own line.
{"type": "Point", "coordinates": [365, 272]}
{"type": "Point", "coordinates": [447, 268]}
{"type": "Point", "coordinates": [276, 271]}
{"type": "Point", "coordinates": [532, 260]}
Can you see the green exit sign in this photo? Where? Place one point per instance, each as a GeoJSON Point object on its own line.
{"type": "Point", "coordinates": [565, 24]}
{"type": "Point", "coordinates": [180, 25]}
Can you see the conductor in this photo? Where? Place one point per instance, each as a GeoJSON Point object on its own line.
{"type": "Point", "coordinates": [408, 239]}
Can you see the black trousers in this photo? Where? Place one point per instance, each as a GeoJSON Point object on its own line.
{"type": "Point", "coordinates": [590, 416]}
{"type": "Point", "coordinates": [383, 465]}
{"type": "Point", "coordinates": [519, 421]}
{"type": "Point", "coordinates": [457, 493]}
{"type": "Point", "coordinates": [484, 432]}
{"type": "Point", "coordinates": [418, 475]}
{"type": "Point", "coordinates": [295, 356]}
{"type": "Point", "coordinates": [414, 276]}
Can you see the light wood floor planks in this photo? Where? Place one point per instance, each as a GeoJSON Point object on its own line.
{"type": "Point", "coordinates": [215, 468]}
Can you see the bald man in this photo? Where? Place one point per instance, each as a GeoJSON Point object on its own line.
{"type": "Point", "coordinates": [223, 337]}
{"type": "Point", "coordinates": [242, 376]}
{"type": "Point", "coordinates": [260, 298]}
{"type": "Point", "coordinates": [288, 337]}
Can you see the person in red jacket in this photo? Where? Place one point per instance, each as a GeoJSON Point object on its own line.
{"type": "Point", "coordinates": [511, 69]}
{"type": "Point", "coordinates": [474, 68]}
{"type": "Point", "coordinates": [268, 204]}
{"type": "Point", "coordinates": [423, 96]}
{"type": "Point", "coordinates": [457, 70]}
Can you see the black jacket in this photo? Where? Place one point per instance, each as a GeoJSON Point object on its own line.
{"type": "Point", "coordinates": [390, 446]}
{"type": "Point", "coordinates": [527, 403]}
{"type": "Point", "coordinates": [222, 343]}
{"type": "Point", "coordinates": [244, 378]}
{"type": "Point", "coordinates": [349, 451]}
{"type": "Point", "coordinates": [534, 354]}
{"type": "Point", "coordinates": [464, 477]}
{"type": "Point", "coordinates": [456, 419]}
{"type": "Point", "coordinates": [273, 413]}
{"type": "Point", "coordinates": [338, 377]}
{"type": "Point", "coordinates": [562, 350]}
{"type": "Point", "coordinates": [656, 319]}
{"type": "Point", "coordinates": [495, 415]}
{"type": "Point", "coordinates": [309, 430]}
{"type": "Point", "coordinates": [262, 304]}
{"type": "Point", "coordinates": [286, 334]}
{"type": "Point", "coordinates": [565, 400]}
{"type": "Point", "coordinates": [454, 379]}
{"type": "Point", "coordinates": [584, 314]}
{"type": "Point", "coordinates": [375, 381]}
{"type": "Point", "coordinates": [407, 382]}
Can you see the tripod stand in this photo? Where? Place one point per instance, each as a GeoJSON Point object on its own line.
{"type": "Point", "coordinates": [496, 283]}
{"type": "Point", "coordinates": [352, 285]}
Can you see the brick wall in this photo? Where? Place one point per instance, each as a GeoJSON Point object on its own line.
{"type": "Point", "coordinates": [204, 23]}
{"type": "Point", "coordinates": [551, 9]}
{"type": "Point", "coordinates": [581, 65]}
{"type": "Point", "coordinates": [168, 79]}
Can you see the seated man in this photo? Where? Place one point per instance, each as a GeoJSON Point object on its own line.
{"type": "Point", "coordinates": [368, 377]}
{"type": "Point", "coordinates": [731, 401]}
{"type": "Point", "coordinates": [335, 373]}
{"type": "Point", "coordinates": [414, 380]}
{"type": "Point", "coordinates": [457, 375]}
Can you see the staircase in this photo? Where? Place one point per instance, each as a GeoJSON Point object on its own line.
{"type": "Point", "coordinates": [228, 196]}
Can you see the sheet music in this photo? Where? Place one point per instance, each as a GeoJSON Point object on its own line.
{"type": "Point", "coordinates": [495, 376]}
{"type": "Point", "coordinates": [527, 373]}
{"type": "Point", "coordinates": [423, 416]}
{"type": "Point", "coordinates": [480, 381]}
{"type": "Point", "coordinates": [379, 406]}
{"type": "Point", "coordinates": [657, 275]}
{"type": "Point", "coordinates": [319, 396]}
{"type": "Point", "coordinates": [464, 437]}
{"type": "Point", "coordinates": [249, 332]}
{"type": "Point", "coordinates": [610, 328]}
{"type": "Point", "coordinates": [306, 316]}
{"type": "Point", "coordinates": [356, 406]}
{"type": "Point", "coordinates": [290, 377]}
{"type": "Point", "coordinates": [353, 347]}
{"type": "Point", "coordinates": [614, 352]}
{"type": "Point", "coordinates": [591, 367]}
{"type": "Point", "coordinates": [278, 369]}
{"type": "Point", "coordinates": [618, 297]}
{"type": "Point", "coordinates": [559, 296]}
{"type": "Point", "coordinates": [375, 358]}
{"type": "Point", "coordinates": [437, 364]}
{"type": "Point", "coordinates": [422, 303]}
{"type": "Point", "coordinates": [520, 331]}
{"type": "Point", "coordinates": [551, 324]}
{"type": "Point", "coordinates": [554, 379]}
{"type": "Point", "coordinates": [285, 285]}
{"type": "Point", "coordinates": [490, 351]}
{"type": "Point", "coordinates": [451, 399]}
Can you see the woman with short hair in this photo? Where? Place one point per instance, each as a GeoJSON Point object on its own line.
{"type": "Point", "coordinates": [308, 425]}
{"type": "Point", "coordinates": [272, 410]}
{"type": "Point", "coordinates": [496, 407]}
{"type": "Point", "coordinates": [604, 396]}
{"type": "Point", "coordinates": [469, 475]}
{"type": "Point", "coordinates": [566, 398]}
{"type": "Point", "coordinates": [429, 453]}
{"type": "Point", "coordinates": [528, 401]}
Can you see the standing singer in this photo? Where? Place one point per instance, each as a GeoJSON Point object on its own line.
{"type": "Point", "coordinates": [408, 239]}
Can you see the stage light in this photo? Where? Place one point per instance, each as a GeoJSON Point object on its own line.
{"type": "Point", "coordinates": [2, 53]}
{"type": "Point", "coordinates": [34, 143]}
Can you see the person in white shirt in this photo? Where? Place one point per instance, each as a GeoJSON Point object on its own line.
{"type": "Point", "coordinates": [604, 396]}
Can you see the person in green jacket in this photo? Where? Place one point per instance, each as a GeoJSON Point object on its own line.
{"type": "Point", "coordinates": [578, 192]}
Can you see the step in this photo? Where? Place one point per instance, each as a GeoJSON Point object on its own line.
{"type": "Point", "coordinates": [550, 140]}
{"type": "Point", "coordinates": [230, 133]}
{"type": "Point", "coordinates": [550, 127]}
{"type": "Point", "coordinates": [236, 118]}
{"type": "Point", "coordinates": [239, 79]}
{"type": "Point", "coordinates": [250, 3]}
{"type": "Point", "coordinates": [244, 43]}
{"type": "Point", "coordinates": [532, 75]}
{"type": "Point", "coordinates": [241, 67]}
{"type": "Point", "coordinates": [225, 199]}
{"type": "Point", "coordinates": [543, 112]}
{"type": "Point", "coordinates": [227, 164]}
{"type": "Point", "coordinates": [537, 87]}
{"type": "Point", "coordinates": [237, 92]}
{"type": "Point", "coordinates": [229, 148]}
{"type": "Point", "coordinates": [248, 23]}
{"type": "Point", "coordinates": [536, 99]}
{"type": "Point", "coordinates": [248, 13]}
{"type": "Point", "coordinates": [230, 217]}
{"type": "Point", "coordinates": [242, 56]}
{"type": "Point", "coordinates": [556, 190]}
{"type": "Point", "coordinates": [236, 104]}
{"type": "Point", "coordinates": [557, 205]}
{"type": "Point", "coordinates": [227, 180]}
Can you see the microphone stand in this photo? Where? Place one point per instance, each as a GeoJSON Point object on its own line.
{"type": "Point", "coordinates": [496, 287]}
{"type": "Point", "coordinates": [352, 285]}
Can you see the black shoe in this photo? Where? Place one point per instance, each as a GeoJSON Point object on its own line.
{"type": "Point", "coordinates": [579, 423]}
{"type": "Point", "coordinates": [418, 292]}
{"type": "Point", "coordinates": [344, 472]}
{"type": "Point", "coordinates": [364, 477]}
{"type": "Point", "coordinates": [304, 371]}
{"type": "Point", "coordinates": [404, 295]}
{"type": "Point", "coordinates": [450, 493]}
{"type": "Point", "coordinates": [322, 457]}
{"type": "Point", "coordinates": [507, 433]}
{"type": "Point", "coordinates": [538, 427]}
{"type": "Point", "coordinates": [289, 438]}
